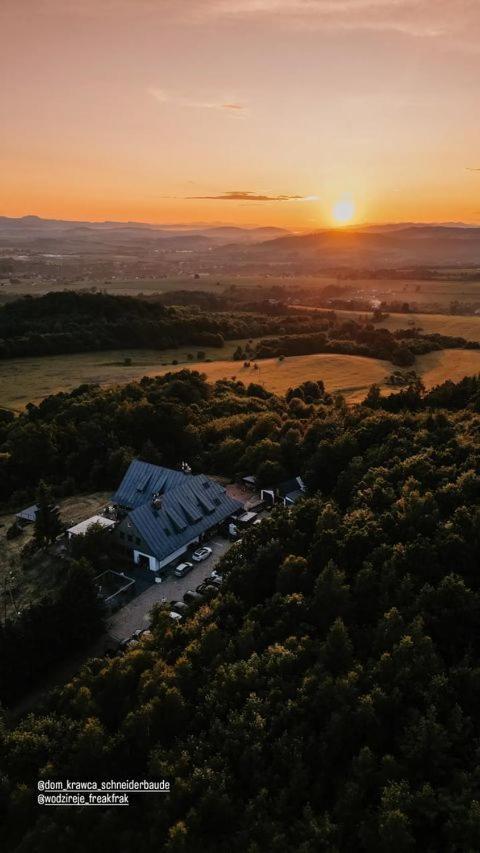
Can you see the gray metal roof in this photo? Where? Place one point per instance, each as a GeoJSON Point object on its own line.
{"type": "Point", "coordinates": [293, 497]}
{"type": "Point", "coordinates": [186, 511]}
{"type": "Point", "coordinates": [28, 514]}
{"type": "Point", "coordinates": [143, 480]}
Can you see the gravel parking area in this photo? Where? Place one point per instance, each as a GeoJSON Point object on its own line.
{"type": "Point", "coordinates": [136, 614]}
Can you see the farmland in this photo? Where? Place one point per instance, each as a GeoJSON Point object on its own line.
{"type": "Point", "coordinates": [467, 327]}
{"type": "Point", "coordinates": [29, 380]}
{"type": "Point", "coordinates": [32, 379]}
{"type": "Point", "coordinates": [438, 292]}
{"type": "Point", "coordinates": [351, 375]}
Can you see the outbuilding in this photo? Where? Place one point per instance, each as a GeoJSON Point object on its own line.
{"type": "Point", "coordinates": [84, 526]}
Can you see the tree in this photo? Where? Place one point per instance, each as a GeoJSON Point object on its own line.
{"type": "Point", "coordinates": [47, 520]}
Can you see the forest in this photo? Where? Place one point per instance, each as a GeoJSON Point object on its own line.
{"type": "Point", "coordinates": [68, 322]}
{"type": "Point", "coordinates": [337, 670]}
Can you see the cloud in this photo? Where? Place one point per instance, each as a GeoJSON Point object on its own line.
{"type": "Point", "coordinates": [231, 106]}
{"type": "Point", "coordinates": [455, 21]}
{"type": "Point", "coordinates": [428, 18]}
{"type": "Point", "coordinates": [247, 195]}
{"type": "Point", "coordinates": [472, 169]}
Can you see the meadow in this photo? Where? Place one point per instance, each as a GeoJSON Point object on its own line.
{"type": "Point", "coordinates": [467, 327]}
{"type": "Point", "coordinates": [29, 380]}
{"type": "Point", "coordinates": [350, 374]}
{"type": "Point", "coordinates": [422, 291]}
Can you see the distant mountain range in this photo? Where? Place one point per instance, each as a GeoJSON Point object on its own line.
{"type": "Point", "coordinates": [34, 232]}
{"type": "Point", "coordinates": [375, 246]}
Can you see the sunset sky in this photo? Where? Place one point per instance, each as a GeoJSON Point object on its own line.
{"type": "Point", "coordinates": [240, 111]}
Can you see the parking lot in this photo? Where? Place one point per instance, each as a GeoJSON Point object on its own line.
{"type": "Point", "coordinates": [135, 615]}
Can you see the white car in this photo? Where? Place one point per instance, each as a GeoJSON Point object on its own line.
{"type": "Point", "coordinates": [175, 616]}
{"type": "Point", "coordinates": [216, 576]}
{"type": "Point", "coordinates": [201, 554]}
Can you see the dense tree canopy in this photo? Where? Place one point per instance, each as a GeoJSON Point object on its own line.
{"type": "Point", "coordinates": [327, 699]}
{"type": "Point", "coordinates": [69, 321]}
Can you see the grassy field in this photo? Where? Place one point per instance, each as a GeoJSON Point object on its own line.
{"type": "Point", "coordinates": [443, 324]}
{"type": "Point", "coordinates": [350, 374]}
{"type": "Point", "coordinates": [32, 379]}
{"type": "Point", "coordinates": [419, 291]}
{"type": "Point", "coordinates": [29, 380]}
{"type": "Point", "coordinates": [454, 364]}
{"type": "Point", "coordinates": [38, 574]}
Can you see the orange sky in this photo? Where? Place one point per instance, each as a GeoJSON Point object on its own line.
{"type": "Point", "coordinates": [155, 110]}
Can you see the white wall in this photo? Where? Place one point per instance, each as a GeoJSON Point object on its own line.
{"type": "Point", "coordinates": [152, 561]}
{"type": "Point", "coordinates": [155, 565]}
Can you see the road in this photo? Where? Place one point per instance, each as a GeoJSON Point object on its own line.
{"type": "Point", "coordinates": [135, 615]}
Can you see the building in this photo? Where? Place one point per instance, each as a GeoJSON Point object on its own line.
{"type": "Point", "coordinates": [287, 493]}
{"type": "Point", "coordinates": [169, 512]}
{"type": "Point", "coordinates": [28, 515]}
{"type": "Point", "coordinates": [143, 482]}
{"type": "Point", "coordinates": [94, 521]}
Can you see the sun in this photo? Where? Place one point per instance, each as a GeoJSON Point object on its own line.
{"type": "Point", "coordinates": [343, 210]}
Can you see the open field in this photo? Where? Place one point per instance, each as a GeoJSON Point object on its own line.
{"type": "Point", "coordinates": [38, 575]}
{"type": "Point", "coordinates": [454, 364]}
{"type": "Point", "coordinates": [29, 380]}
{"type": "Point", "coordinates": [443, 324]}
{"type": "Point", "coordinates": [420, 291]}
{"type": "Point", "coordinates": [350, 374]}
{"type": "Point", "coordinates": [216, 282]}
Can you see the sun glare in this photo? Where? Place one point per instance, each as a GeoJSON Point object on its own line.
{"type": "Point", "coordinates": [343, 211]}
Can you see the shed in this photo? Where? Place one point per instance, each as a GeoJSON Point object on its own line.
{"type": "Point", "coordinates": [82, 528]}
{"type": "Point", "coordinates": [28, 515]}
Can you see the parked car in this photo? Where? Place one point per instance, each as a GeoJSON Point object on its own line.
{"type": "Point", "coordinates": [177, 617]}
{"type": "Point", "coordinates": [217, 582]}
{"type": "Point", "coordinates": [216, 575]}
{"type": "Point", "coordinates": [201, 554]}
{"type": "Point", "coordinates": [140, 632]}
{"type": "Point", "coordinates": [183, 569]}
{"type": "Point", "coordinates": [137, 634]}
{"type": "Point", "coordinates": [191, 597]}
{"type": "Point", "coordinates": [179, 607]}
{"type": "Point", "coordinates": [206, 588]}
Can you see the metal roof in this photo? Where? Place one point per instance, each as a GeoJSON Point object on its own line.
{"type": "Point", "coordinates": [294, 496]}
{"type": "Point", "coordinates": [144, 480]}
{"type": "Point", "coordinates": [28, 514]}
{"type": "Point", "coordinates": [81, 528]}
{"type": "Point", "coordinates": [185, 512]}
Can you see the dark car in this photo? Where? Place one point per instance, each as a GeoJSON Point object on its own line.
{"type": "Point", "coordinates": [207, 589]}
{"type": "Point", "coordinates": [192, 597]}
{"type": "Point", "coordinates": [179, 607]}
{"type": "Point", "coordinates": [183, 569]}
